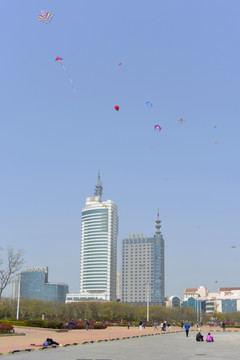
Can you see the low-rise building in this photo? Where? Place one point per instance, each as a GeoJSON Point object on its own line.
{"type": "Point", "coordinates": [226, 300]}
{"type": "Point", "coordinates": [34, 285]}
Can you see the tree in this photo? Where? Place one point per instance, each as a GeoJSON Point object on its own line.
{"type": "Point", "coordinates": [13, 266]}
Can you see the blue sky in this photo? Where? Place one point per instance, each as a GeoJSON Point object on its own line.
{"type": "Point", "coordinates": [184, 57]}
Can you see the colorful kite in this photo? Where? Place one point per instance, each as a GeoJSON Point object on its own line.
{"type": "Point", "coordinates": [59, 59]}
{"type": "Point", "coordinates": [149, 105]}
{"type": "Point", "coordinates": [45, 16]}
{"type": "Point", "coordinates": [181, 121]}
{"type": "Point", "coordinates": [119, 64]}
{"type": "Point", "coordinates": [216, 142]}
{"type": "Point", "coordinates": [116, 107]}
{"type": "Point", "coordinates": [157, 127]}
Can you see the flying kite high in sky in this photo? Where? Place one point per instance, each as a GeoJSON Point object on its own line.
{"type": "Point", "coordinates": [181, 121]}
{"type": "Point", "coordinates": [45, 16]}
{"type": "Point", "coordinates": [116, 107]}
{"type": "Point", "coordinates": [59, 59]}
{"type": "Point", "coordinates": [233, 247]}
{"type": "Point", "coordinates": [157, 127]}
{"type": "Point", "coordinates": [119, 64]}
{"type": "Point", "coordinates": [149, 104]}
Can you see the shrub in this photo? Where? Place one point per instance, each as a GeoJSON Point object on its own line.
{"type": "Point", "coordinates": [78, 326]}
{"type": "Point", "coordinates": [35, 323]}
{"type": "Point", "coordinates": [99, 326]}
{"type": "Point", "coordinates": [6, 328]}
{"type": "Point", "coordinates": [53, 324]}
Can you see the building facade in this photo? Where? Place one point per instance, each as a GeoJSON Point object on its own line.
{"type": "Point", "coordinates": [34, 285]}
{"type": "Point", "coordinates": [173, 301]}
{"type": "Point", "coordinates": [226, 300]}
{"type": "Point", "coordinates": [98, 260]}
{"type": "Point", "coordinates": [143, 268]}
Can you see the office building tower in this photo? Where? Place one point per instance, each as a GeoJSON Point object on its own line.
{"type": "Point", "coordinates": [34, 285]}
{"type": "Point", "coordinates": [143, 268]}
{"type": "Point", "coordinates": [98, 264]}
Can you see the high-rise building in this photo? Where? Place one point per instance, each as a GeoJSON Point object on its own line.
{"type": "Point", "coordinates": [34, 285]}
{"type": "Point", "coordinates": [143, 268]}
{"type": "Point", "coordinates": [98, 264]}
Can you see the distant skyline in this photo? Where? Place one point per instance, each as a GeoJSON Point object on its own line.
{"type": "Point", "coordinates": [183, 57]}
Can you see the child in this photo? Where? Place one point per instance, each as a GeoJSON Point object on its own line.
{"type": "Point", "coordinates": [209, 338]}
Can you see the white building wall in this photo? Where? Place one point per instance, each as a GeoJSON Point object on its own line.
{"type": "Point", "coordinates": [98, 260]}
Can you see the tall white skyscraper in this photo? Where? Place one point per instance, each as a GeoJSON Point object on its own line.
{"type": "Point", "coordinates": [98, 263]}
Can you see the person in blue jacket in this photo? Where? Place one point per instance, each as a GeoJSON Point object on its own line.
{"type": "Point", "coordinates": [187, 326]}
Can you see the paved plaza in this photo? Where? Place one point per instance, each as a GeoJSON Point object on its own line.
{"type": "Point", "coordinates": [164, 346]}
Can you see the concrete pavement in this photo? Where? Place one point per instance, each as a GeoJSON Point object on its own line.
{"type": "Point", "coordinates": [172, 346]}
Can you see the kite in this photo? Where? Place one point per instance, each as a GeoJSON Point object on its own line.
{"type": "Point", "coordinates": [59, 59]}
{"type": "Point", "coordinates": [233, 247]}
{"type": "Point", "coordinates": [149, 105]}
{"type": "Point", "coordinates": [216, 142]}
{"type": "Point", "coordinates": [116, 107]}
{"type": "Point", "coordinates": [215, 281]}
{"type": "Point", "coordinates": [215, 126]}
{"type": "Point", "coordinates": [45, 16]}
{"type": "Point", "coordinates": [119, 64]}
{"type": "Point", "coordinates": [157, 127]}
{"type": "Point", "coordinates": [198, 227]}
{"type": "Point", "coordinates": [181, 121]}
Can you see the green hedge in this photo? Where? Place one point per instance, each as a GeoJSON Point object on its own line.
{"type": "Point", "coordinates": [233, 326]}
{"type": "Point", "coordinates": [35, 323]}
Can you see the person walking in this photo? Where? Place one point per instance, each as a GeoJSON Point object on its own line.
{"type": "Point", "coordinates": [187, 327]}
{"type": "Point", "coordinates": [155, 324]}
{"type": "Point", "coordinates": [128, 325]}
{"type": "Point", "coordinates": [223, 326]}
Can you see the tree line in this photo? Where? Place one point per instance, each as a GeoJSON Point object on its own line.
{"type": "Point", "coordinates": [97, 311]}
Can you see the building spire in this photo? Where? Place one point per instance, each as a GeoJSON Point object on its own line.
{"type": "Point", "coordinates": [158, 224]}
{"type": "Point", "coordinates": [98, 188]}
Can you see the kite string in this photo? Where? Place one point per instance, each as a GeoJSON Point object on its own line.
{"type": "Point", "coordinates": [69, 76]}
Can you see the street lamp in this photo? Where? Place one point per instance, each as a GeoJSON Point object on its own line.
{"type": "Point", "coordinates": [148, 287]}
{"type": "Point", "coordinates": [18, 295]}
